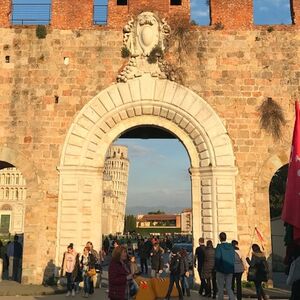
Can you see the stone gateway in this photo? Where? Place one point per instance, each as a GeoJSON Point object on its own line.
{"type": "Point", "coordinates": [65, 98]}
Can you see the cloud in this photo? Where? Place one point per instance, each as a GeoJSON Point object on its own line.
{"type": "Point", "coordinates": [135, 150]}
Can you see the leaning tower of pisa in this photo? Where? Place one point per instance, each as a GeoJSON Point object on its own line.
{"type": "Point", "coordinates": [117, 167]}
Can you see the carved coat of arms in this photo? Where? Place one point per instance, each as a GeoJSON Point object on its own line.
{"type": "Point", "coordinates": [144, 37]}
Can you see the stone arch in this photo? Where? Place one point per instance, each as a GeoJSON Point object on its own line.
{"type": "Point", "coordinates": [146, 101]}
{"type": "Point", "coordinates": [33, 195]}
{"type": "Point", "coordinates": [20, 161]}
{"type": "Point", "coordinates": [270, 166]}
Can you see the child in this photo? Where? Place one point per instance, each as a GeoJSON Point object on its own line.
{"type": "Point", "coordinates": [133, 266]}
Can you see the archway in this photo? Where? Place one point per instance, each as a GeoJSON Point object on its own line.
{"type": "Point", "coordinates": [153, 102]}
{"type": "Point", "coordinates": [11, 158]}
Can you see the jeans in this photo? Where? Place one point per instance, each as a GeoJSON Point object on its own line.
{"type": "Point", "coordinates": [185, 285]}
{"type": "Point", "coordinates": [70, 281]}
{"type": "Point", "coordinates": [174, 279]}
{"type": "Point", "coordinates": [237, 277]}
{"type": "Point", "coordinates": [227, 279]}
{"type": "Point", "coordinates": [211, 285]}
{"type": "Point", "coordinates": [144, 265]}
{"type": "Point", "coordinates": [203, 285]}
{"type": "Point", "coordinates": [260, 293]}
{"type": "Point", "coordinates": [86, 284]}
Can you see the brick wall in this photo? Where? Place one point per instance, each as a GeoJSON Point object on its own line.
{"type": "Point", "coordinates": [232, 14]}
{"type": "Point", "coordinates": [295, 7]}
{"type": "Point", "coordinates": [5, 13]}
{"type": "Point", "coordinates": [75, 14]}
{"type": "Point", "coordinates": [79, 14]}
{"type": "Point", "coordinates": [118, 15]}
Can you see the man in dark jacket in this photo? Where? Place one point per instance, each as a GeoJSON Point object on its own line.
{"type": "Point", "coordinates": [224, 264]}
{"type": "Point", "coordinates": [157, 263]}
{"type": "Point", "coordinates": [143, 254]}
{"type": "Point", "coordinates": [199, 263]}
{"type": "Point", "coordinates": [175, 270]}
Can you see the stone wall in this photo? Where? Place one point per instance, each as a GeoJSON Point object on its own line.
{"type": "Point", "coordinates": [40, 95]}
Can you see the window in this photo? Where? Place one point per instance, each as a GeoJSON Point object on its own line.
{"type": "Point", "coordinates": [270, 12]}
{"type": "Point", "coordinates": [121, 2]}
{"type": "Point", "coordinates": [100, 12]}
{"type": "Point", "coordinates": [31, 12]}
{"type": "Point", "coordinates": [175, 2]}
{"type": "Point", "coordinates": [4, 223]}
{"type": "Point", "coordinates": [200, 12]}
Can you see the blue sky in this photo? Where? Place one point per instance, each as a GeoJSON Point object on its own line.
{"type": "Point", "coordinates": [265, 12]}
{"type": "Point", "coordinates": [158, 173]}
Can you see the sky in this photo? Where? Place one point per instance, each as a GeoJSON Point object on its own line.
{"type": "Point", "coordinates": [158, 173]}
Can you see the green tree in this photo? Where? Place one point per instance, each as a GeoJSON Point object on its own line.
{"type": "Point", "coordinates": [158, 212]}
{"type": "Point", "coordinates": [277, 191]}
{"type": "Point", "coordinates": [130, 223]}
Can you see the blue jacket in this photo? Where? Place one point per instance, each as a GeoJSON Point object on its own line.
{"type": "Point", "coordinates": [224, 258]}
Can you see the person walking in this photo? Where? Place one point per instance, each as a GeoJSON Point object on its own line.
{"type": "Point", "coordinates": [184, 272]}
{"type": "Point", "coordinates": [97, 266]}
{"type": "Point", "coordinates": [239, 268]}
{"type": "Point", "coordinates": [175, 270]}
{"type": "Point", "coordinates": [209, 272]}
{"type": "Point", "coordinates": [87, 263]}
{"type": "Point", "coordinates": [293, 279]}
{"type": "Point", "coordinates": [224, 264]}
{"type": "Point", "coordinates": [259, 263]}
{"type": "Point", "coordinates": [199, 262]}
{"type": "Point", "coordinates": [14, 253]}
{"type": "Point", "coordinates": [143, 254]}
{"type": "Point", "coordinates": [70, 268]}
{"type": "Point", "coordinates": [156, 258]}
{"type": "Point", "coordinates": [119, 275]}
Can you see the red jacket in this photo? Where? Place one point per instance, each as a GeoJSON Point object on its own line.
{"type": "Point", "coordinates": [117, 281]}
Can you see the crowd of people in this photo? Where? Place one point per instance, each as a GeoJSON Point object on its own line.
{"type": "Point", "coordinates": [224, 266]}
{"type": "Point", "coordinates": [11, 260]}
{"type": "Point", "coordinates": [218, 268]}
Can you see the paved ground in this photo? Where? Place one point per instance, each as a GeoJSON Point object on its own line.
{"type": "Point", "coordinates": [10, 290]}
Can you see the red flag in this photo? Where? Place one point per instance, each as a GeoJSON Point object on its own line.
{"type": "Point", "coordinates": [260, 237]}
{"type": "Point", "coordinates": [291, 206]}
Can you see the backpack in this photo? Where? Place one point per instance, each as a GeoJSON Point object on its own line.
{"type": "Point", "coordinates": [263, 271]}
{"type": "Point", "coordinates": [175, 264]}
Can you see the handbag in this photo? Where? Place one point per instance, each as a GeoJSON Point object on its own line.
{"type": "Point", "coordinates": [133, 288]}
{"type": "Point", "coordinates": [91, 272]}
{"type": "Point", "coordinates": [251, 276]}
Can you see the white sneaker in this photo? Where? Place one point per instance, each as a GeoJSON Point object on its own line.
{"type": "Point", "coordinates": [68, 294]}
{"type": "Point", "coordinates": [73, 293]}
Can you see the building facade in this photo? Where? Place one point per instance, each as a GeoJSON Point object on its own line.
{"type": "Point", "coordinates": [165, 223]}
{"type": "Point", "coordinates": [12, 201]}
{"type": "Point", "coordinates": [115, 187]}
{"type": "Point", "coordinates": [67, 97]}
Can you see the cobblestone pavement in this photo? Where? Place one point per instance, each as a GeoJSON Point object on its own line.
{"type": "Point", "coordinates": [100, 294]}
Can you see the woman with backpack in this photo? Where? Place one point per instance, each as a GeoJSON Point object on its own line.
{"type": "Point", "coordinates": [175, 262]}
{"type": "Point", "coordinates": [259, 265]}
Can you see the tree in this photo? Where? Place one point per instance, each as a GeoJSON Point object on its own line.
{"type": "Point", "coordinates": [158, 212]}
{"type": "Point", "coordinates": [277, 191]}
{"type": "Point", "coordinates": [130, 223]}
